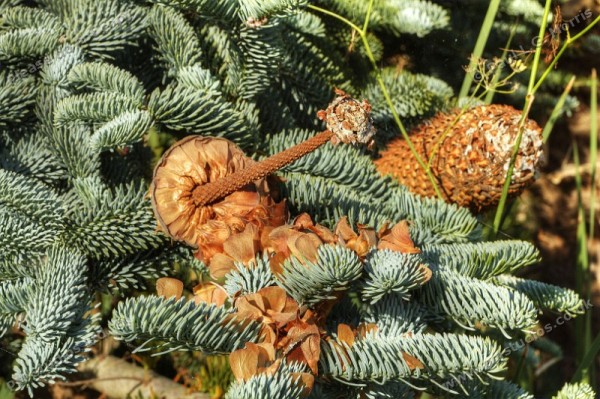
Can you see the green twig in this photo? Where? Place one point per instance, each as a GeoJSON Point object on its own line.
{"type": "Point", "coordinates": [484, 33]}
{"type": "Point", "coordinates": [502, 203]}
{"type": "Point", "coordinates": [582, 324]}
{"type": "Point", "coordinates": [490, 94]}
{"type": "Point", "coordinates": [531, 90]}
{"type": "Point", "coordinates": [363, 35]}
{"type": "Point", "coordinates": [593, 148]}
{"type": "Point", "coordinates": [585, 348]}
{"type": "Point", "coordinates": [569, 41]}
{"type": "Point", "coordinates": [538, 49]}
{"type": "Point", "coordinates": [556, 112]}
{"type": "Point", "coordinates": [587, 361]}
{"type": "Point", "coordinates": [528, 103]}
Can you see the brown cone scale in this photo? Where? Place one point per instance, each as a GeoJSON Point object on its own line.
{"type": "Point", "coordinates": [472, 156]}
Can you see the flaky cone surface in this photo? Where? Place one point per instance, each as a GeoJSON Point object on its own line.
{"type": "Point", "coordinates": [473, 157]}
{"type": "Point", "coordinates": [192, 163]}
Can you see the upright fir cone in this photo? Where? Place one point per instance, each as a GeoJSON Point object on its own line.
{"type": "Point", "coordinates": [206, 192]}
{"type": "Point", "coordinates": [472, 158]}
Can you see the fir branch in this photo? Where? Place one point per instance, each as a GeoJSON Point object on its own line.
{"type": "Point", "coordinates": [132, 271]}
{"type": "Point", "coordinates": [181, 325]}
{"type": "Point", "coordinates": [55, 70]}
{"type": "Point", "coordinates": [262, 52]}
{"type": "Point", "coordinates": [328, 201]}
{"type": "Point", "coordinates": [394, 16]}
{"type": "Point", "coordinates": [6, 322]}
{"type": "Point", "coordinates": [379, 359]}
{"type": "Point", "coordinates": [254, 10]}
{"type": "Point", "coordinates": [309, 69]}
{"type": "Point", "coordinates": [29, 198]}
{"type": "Point", "coordinates": [32, 157]}
{"type": "Point", "coordinates": [390, 272]}
{"type": "Point", "coordinates": [470, 302]}
{"type": "Point", "coordinates": [282, 384]}
{"type": "Point", "coordinates": [249, 279]}
{"type": "Point", "coordinates": [92, 108]}
{"type": "Point", "coordinates": [21, 263]}
{"type": "Point", "coordinates": [20, 236]}
{"type": "Point", "coordinates": [41, 362]}
{"type": "Point", "coordinates": [126, 129]}
{"type": "Point", "coordinates": [483, 260]}
{"type": "Point", "coordinates": [545, 296]}
{"type": "Point", "coordinates": [6, 4]}
{"type": "Point", "coordinates": [447, 221]}
{"type": "Point", "coordinates": [224, 12]}
{"type": "Point", "coordinates": [28, 18]}
{"type": "Point", "coordinates": [575, 391]}
{"type": "Point", "coordinates": [60, 295]}
{"type": "Point", "coordinates": [55, 86]}
{"type": "Point", "coordinates": [395, 317]}
{"type": "Point", "coordinates": [310, 283]}
{"type": "Point", "coordinates": [104, 28]}
{"type": "Point", "coordinates": [425, 17]}
{"type": "Point", "coordinates": [223, 56]}
{"type": "Point", "coordinates": [198, 78]}
{"type": "Point", "coordinates": [27, 44]}
{"type": "Point", "coordinates": [195, 111]}
{"type": "Point", "coordinates": [14, 295]}
{"type": "Point", "coordinates": [532, 11]}
{"type": "Point", "coordinates": [72, 145]}
{"type": "Point", "coordinates": [58, 325]}
{"type": "Point", "coordinates": [100, 76]}
{"type": "Point", "coordinates": [127, 227]}
{"type": "Point", "coordinates": [175, 38]}
{"type": "Point", "coordinates": [16, 97]}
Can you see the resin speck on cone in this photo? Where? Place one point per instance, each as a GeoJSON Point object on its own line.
{"type": "Point", "coordinates": [472, 157]}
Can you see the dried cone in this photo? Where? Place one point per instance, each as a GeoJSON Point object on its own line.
{"type": "Point", "coordinates": [206, 192]}
{"type": "Point", "coordinates": [348, 121]}
{"type": "Point", "coordinates": [183, 170]}
{"type": "Point", "coordinates": [472, 158]}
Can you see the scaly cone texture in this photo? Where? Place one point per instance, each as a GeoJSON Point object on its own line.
{"type": "Point", "coordinates": [471, 154]}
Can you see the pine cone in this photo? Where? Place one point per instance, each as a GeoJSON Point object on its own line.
{"type": "Point", "coordinates": [472, 158]}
